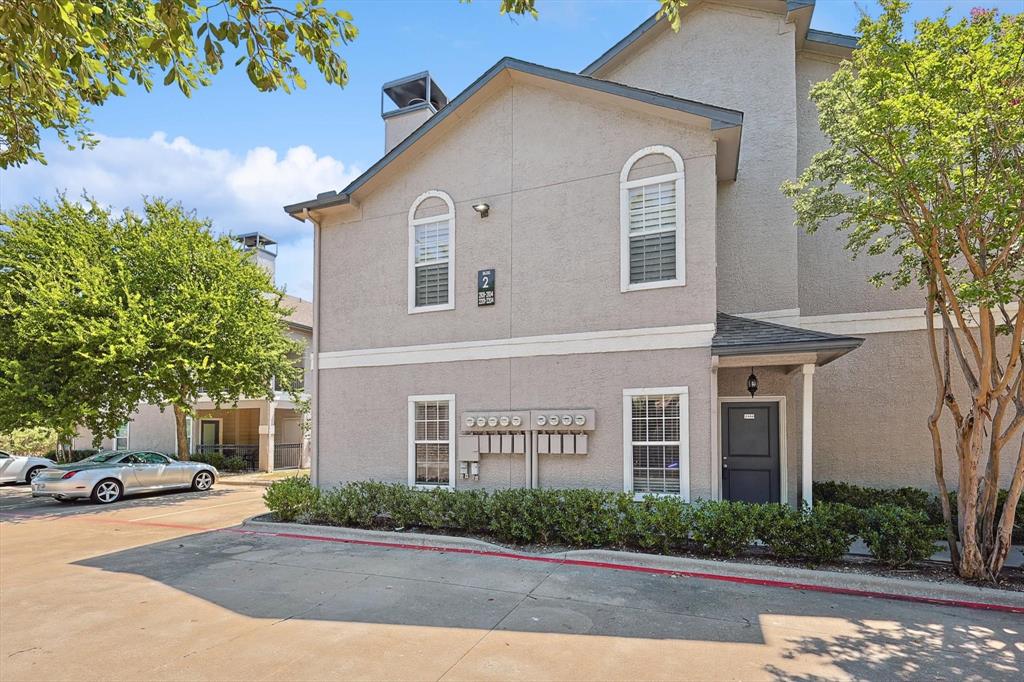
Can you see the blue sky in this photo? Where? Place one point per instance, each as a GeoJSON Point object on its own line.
{"type": "Point", "coordinates": [237, 155]}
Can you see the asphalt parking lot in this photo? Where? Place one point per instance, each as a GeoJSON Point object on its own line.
{"type": "Point", "coordinates": [168, 587]}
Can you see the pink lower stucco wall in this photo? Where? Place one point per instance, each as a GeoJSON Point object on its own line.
{"type": "Point", "coordinates": [870, 409]}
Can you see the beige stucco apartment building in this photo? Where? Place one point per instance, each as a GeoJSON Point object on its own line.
{"type": "Point", "coordinates": [265, 434]}
{"type": "Point", "coordinates": [566, 279]}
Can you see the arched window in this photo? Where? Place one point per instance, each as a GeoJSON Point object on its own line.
{"type": "Point", "coordinates": [431, 253]}
{"type": "Point", "coordinates": [651, 219]}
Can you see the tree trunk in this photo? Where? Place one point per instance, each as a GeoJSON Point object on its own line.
{"type": "Point", "coordinates": [182, 435]}
{"type": "Point", "coordinates": [972, 561]}
{"type": "Point", "coordinates": [940, 368]}
{"type": "Point", "coordinates": [1004, 535]}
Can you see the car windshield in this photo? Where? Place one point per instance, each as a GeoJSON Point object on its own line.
{"type": "Point", "coordinates": [100, 457]}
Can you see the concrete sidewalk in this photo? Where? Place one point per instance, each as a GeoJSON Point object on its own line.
{"type": "Point", "coordinates": [260, 478]}
{"type": "Point", "coordinates": [780, 576]}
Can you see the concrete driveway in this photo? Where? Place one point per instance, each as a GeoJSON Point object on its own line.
{"type": "Point", "coordinates": [167, 587]}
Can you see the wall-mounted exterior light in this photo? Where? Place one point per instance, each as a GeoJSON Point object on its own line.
{"type": "Point", "coordinates": [483, 209]}
{"type": "Point", "coordinates": [752, 383]}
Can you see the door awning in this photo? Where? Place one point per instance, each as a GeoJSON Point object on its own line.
{"type": "Point", "coordinates": [741, 336]}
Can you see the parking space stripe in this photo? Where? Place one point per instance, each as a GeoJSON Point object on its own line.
{"type": "Point", "coordinates": [188, 511]}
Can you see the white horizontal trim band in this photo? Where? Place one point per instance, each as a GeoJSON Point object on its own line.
{"type": "Point", "coordinates": [876, 322]}
{"type": "Point", "coordinates": [610, 341]}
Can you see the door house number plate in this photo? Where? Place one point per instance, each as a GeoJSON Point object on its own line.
{"type": "Point", "coordinates": [485, 287]}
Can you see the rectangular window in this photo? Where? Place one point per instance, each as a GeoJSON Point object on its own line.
{"type": "Point", "coordinates": [652, 232]}
{"type": "Point", "coordinates": [431, 439]}
{"type": "Point", "coordinates": [656, 441]}
{"type": "Point", "coordinates": [121, 438]}
{"type": "Point", "coordinates": [431, 263]}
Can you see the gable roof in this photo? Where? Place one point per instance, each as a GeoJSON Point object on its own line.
{"type": "Point", "coordinates": [736, 335]}
{"type": "Point", "coordinates": [720, 118]}
{"type": "Point", "coordinates": [792, 6]}
{"type": "Point", "coordinates": [301, 316]}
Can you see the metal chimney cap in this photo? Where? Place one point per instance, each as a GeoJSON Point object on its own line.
{"type": "Point", "coordinates": [417, 89]}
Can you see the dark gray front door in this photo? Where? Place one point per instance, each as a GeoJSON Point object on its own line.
{"type": "Point", "coordinates": [750, 452]}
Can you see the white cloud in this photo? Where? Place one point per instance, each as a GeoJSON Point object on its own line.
{"type": "Point", "coordinates": [239, 193]}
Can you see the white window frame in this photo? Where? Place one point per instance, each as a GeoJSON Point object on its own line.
{"type": "Point", "coordinates": [684, 438]}
{"type": "Point", "coordinates": [189, 428]}
{"type": "Point", "coordinates": [411, 275]}
{"type": "Point", "coordinates": [127, 438]}
{"type": "Point", "coordinates": [444, 397]}
{"type": "Point", "coordinates": [625, 184]}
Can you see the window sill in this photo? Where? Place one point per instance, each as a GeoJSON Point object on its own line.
{"type": "Point", "coordinates": [431, 308]}
{"type": "Point", "coordinates": [663, 284]}
{"type": "Point", "coordinates": [431, 486]}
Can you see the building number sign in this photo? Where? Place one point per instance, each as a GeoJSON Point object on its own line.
{"type": "Point", "coordinates": [485, 287]}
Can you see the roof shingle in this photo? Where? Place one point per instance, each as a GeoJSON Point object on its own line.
{"type": "Point", "coordinates": [741, 335]}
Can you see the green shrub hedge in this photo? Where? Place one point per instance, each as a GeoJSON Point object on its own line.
{"type": "Point", "coordinates": [70, 456]}
{"type": "Point", "coordinates": [895, 535]}
{"type": "Point", "coordinates": [219, 461]}
{"type": "Point", "coordinates": [898, 536]}
{"type": "Point", "coordinates": [864, 497]}
{"type": "Point", "coordinates": [820, 535]}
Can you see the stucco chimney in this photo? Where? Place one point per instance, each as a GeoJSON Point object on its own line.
{"type": "Point", "coordinates": [262, 248]}
{"type": "Point", "coordinates": [416, 98]}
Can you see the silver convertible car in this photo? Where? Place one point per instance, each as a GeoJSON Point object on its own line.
{"type": "Point", "coordinates": [107, 476]}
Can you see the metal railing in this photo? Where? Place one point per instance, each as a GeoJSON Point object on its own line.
{"type": "Point", "coordinates": [248, 454]}
{"type": "Point", "coordinates": [287, 455]}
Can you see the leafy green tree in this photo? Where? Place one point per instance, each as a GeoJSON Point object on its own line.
{"type": "Point", "coordinates": [70, 327]}
{"type": "Point", "coordinates": [926, 165]}
{"type": "Point", "coordinates": [58, 58]}
{"type": "Point", "coordinates": [37, 441]}
{"type": "Point", "coordinates": [216, 323]}
{"type": "Point", "coordinates": [102, 312]}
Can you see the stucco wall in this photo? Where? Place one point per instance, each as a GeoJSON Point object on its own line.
{"type": "Point", "coordinates": [150, 429]}
{"type": "Point", "coordinates": [552, 234]}
{"type": "Point", "coordinates": [871, 411]}
{"type": "Point", "coordinates": [742, 59]}
{"type": "Point", "coordinates": [830, 282]}
{"type": "Point", "coordinates": [365, 434]}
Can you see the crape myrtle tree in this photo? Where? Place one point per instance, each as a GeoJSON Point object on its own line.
{"type": "Point", "coordinates": [926, 165]}
{"type": "Point", "coordinates": [102, 311]}
{"type": "Point", "coordinates": [58, 58]}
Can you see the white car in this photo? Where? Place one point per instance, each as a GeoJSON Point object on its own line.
{"type": "Point", "coordinates": [21, 468]}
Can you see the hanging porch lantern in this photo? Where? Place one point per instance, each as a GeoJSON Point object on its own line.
{"type": "Point", "coordinates": [752, 383]}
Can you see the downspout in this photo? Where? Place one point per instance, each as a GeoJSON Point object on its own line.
{"type": "Point", "coordinates": [314, 402]}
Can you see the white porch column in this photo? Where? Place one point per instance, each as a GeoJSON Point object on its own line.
{"type": "Point", "coordinates": [267, 429]}
{"type": "Point", "coordinates": [806, 447]}
{"type": "Point", "coordinates": [716, 427]}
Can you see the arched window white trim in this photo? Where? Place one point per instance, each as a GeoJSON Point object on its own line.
{"type": "Point", "coordinates": [435, 253]}
{"type": "Point", "coordinates": [653, 225]}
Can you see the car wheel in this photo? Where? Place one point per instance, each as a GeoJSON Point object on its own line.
{"type": "Point", "coordinates": [202, 481]}
{"type": "Point", "coordinates": [106, 492]}
{"type": "Point", "coordinates": [32, 473]}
